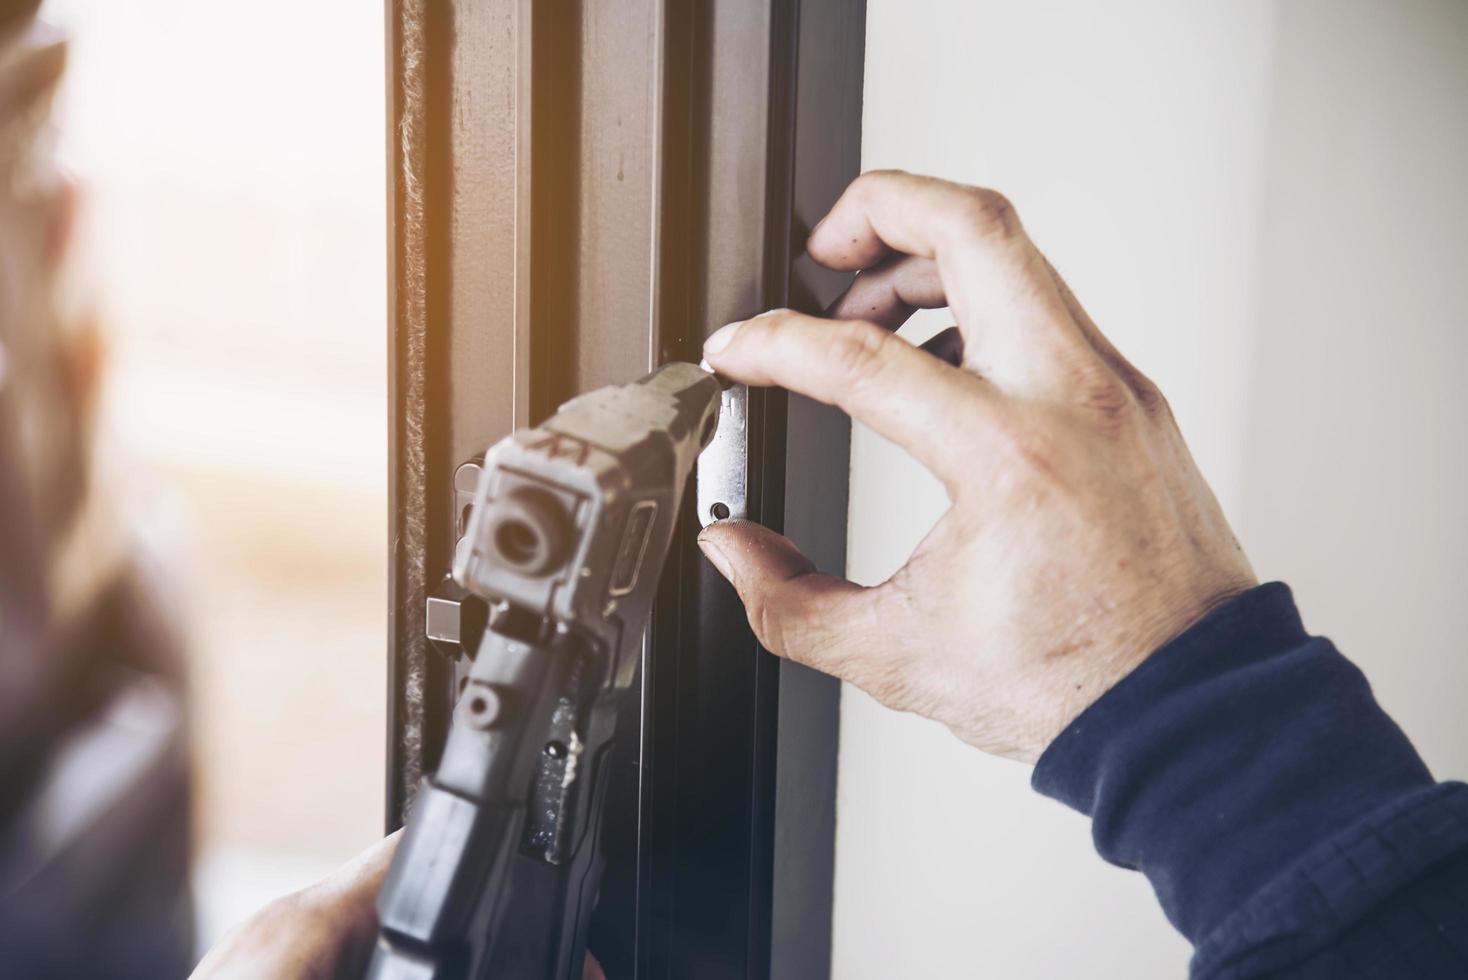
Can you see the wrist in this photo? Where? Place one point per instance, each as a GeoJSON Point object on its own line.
{"type": "Point", "coordinates": [1149, 628]}
{"type": "Point", "coordinates": [1214, 763]}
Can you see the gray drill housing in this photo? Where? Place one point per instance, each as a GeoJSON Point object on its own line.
{"type": "Point", "coordinates": [592, 494]}
{"type": "Point", "coordinates": [499, 867]}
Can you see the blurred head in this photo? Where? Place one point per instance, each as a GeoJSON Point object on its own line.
{"type": "Point", "coordinates": [48, 567]}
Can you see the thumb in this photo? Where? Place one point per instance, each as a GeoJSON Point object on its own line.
{"type": "Point", "coordinates": [795, 611]}
{"type": "Point", "coordinates": [325, 930]}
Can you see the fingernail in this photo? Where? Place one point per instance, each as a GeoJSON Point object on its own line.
{"type": "Point", "coordinates": [716, 557]}
{"type": "Point", "coordinates": [721, 337]}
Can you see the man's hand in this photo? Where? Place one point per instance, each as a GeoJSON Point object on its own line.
{"type": "Point", "coordinates": [324, 932]}
{"type": "Point", "coordinates": [1081, 536]}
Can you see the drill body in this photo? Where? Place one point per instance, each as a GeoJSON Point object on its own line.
{"type": "Point", "coordinates": [500, 863]}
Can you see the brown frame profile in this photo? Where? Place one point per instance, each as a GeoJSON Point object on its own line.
{"type": "Point", "coordinates": [579, 191]}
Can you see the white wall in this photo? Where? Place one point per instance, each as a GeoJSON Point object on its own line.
{"type": "Point", "coordinates": [1357, 472]}
{"type": "Point", "coordinates": [1263, 206]}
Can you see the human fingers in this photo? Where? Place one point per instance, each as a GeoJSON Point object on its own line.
{"type": "Point", "coordinates": [326, 930]}
{"type": "Point", "coordinates": [889, 292]}
{"type": "Point", "coordinates": [795, 611]}
{"type": "Point", "coordinates": [354, 886]}
{"type": "Point", "coordinates": [1017, 328]}
{"type": "Point", "coordinates": [346, 901]}
{"type": "Point", "coordinates": [946, 345]}
{"type": "Point", "coordinates": [931, 409]}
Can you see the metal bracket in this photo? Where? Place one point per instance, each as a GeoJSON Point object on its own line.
{"type": "Point", "coordinates": [453, 619]}
{"type": "Point", "coordinates": [723, 467]}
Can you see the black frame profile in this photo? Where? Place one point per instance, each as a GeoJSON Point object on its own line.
{"type": "Point", "coordinates": [578, 192]}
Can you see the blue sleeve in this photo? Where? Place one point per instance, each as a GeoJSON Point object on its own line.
{"type": "Point", "coordinates": [1288, 827]}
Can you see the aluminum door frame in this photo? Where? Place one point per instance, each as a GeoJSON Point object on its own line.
{"type": "Point", "coordinates": [577, 192]}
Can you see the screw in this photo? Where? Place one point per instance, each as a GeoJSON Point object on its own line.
{"type": "Point", "coordinates": [486, 707]}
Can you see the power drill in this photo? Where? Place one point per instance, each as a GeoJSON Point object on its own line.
{"type": "Point", "coordinates": [500, 864]}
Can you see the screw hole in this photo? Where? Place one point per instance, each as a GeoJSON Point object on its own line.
{"type": "Point", "coordinates": [556, 750]}
{"type": "Point", "coordinates": [719, 511]}
{"type": "Point", "coordinates": [478, 706]}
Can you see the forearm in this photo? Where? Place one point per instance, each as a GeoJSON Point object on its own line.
{"type": "Point", "coordinates": [1281, 816]}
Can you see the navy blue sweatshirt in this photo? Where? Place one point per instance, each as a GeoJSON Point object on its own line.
{"type": "Point", "coordinates": [1288, 826]}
